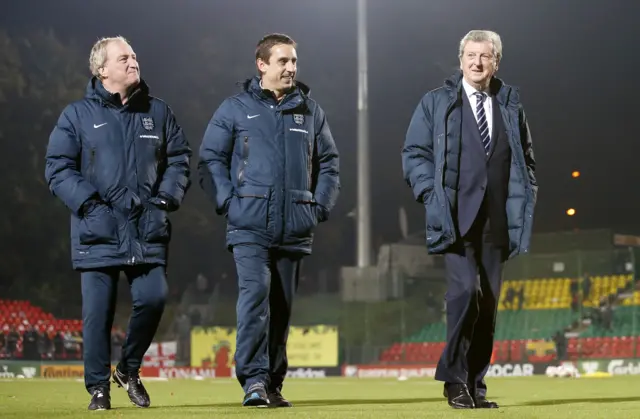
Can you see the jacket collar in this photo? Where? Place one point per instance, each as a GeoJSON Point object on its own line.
{"type": "Point", "coordinates": [505, 95]}
{"type": "Point", "coordinates": [95, 90]}
{"type": "Point", "coordinates": [297, 96]}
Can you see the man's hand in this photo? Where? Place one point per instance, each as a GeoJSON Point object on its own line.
{"type": "Point", "coordinates": [322, 213]}
{"type": "Point", "coordinates": [164, 202]}
{"type": "Point", "coordinates": [89, 205]}
{"type": "Point", "coordinates": [424, 196]}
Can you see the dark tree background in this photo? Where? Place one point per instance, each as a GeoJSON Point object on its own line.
{"type": "Point", "coordinates": [574, 61]}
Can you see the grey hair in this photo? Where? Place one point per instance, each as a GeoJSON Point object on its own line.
{"type": "Point", "coordinates": [98, 55]}
{"type": "Point", "coordinates": [483, 36]}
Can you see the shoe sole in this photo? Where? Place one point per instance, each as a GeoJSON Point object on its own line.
{"type": "Point", "coordinates": [255, 401]}
{"type": "Point", "coordinates": [279, 406]}
{"type": "Point", "coordinates": [282, 403]}
{"type": "Point", "coordinates": [457, 406]}
{"type": "Point", "coordinates": [99, 408]}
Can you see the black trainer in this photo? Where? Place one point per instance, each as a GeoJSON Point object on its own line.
{"type": "Point", "coordinates": [100, 399]}
{"type": "Point", "coordinates": [256, 396]}
{"type": "Point", "coordinates": [276, 399]}
{"type": "Point", "coordinates": [135, 389]}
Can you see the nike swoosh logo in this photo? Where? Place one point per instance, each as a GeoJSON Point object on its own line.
{"type": "Point", "coordinates": [252, 116]}
{"type": "Point", "coordinates": [98, 126]}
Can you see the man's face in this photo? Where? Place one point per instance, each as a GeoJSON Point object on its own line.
{"type": "Point", "coordinates": [478, 64]}
{"type": "Point", "coordinates": [121, 68]}
{"type": "Point", "coordinates": [279, 73]}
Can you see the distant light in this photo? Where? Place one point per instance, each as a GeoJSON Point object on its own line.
{"type": "Point", "coordinates": [575, 174]}
{"type": "Point", "coordinates": [571, 212]}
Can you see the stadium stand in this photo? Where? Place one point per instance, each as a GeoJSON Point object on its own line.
{"type": "Point", "coordinates": [532, 312]}
{"type": "Point", "coordinates": [28, 332]}
{"type": "Point", "coordinates": [17, 312]}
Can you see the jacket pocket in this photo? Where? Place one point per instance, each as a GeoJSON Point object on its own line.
{"type": "Point", "coordinates": [249, 208]}
{"type": "Point", "coordinates": [156, 225]}
{"type": "Point", "coordinates": [302, 216]}
{"type": "Point", "coordinates": [433, 213]}
{"type": "Point", "coordinates": [98, 227]}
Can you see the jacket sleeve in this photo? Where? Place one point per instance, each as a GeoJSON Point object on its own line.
{"type": "Point", "coordinates": [417, 154]}
{"type": "Point", "coordinates": [176, 178]}
{"type": "Point", "coordinates": [62, 171]}
{"type": "Point", "coordinates": [215, 157]}
{"type": "Point", "coordinates": [328, 162]}
{"type": "Point", "coordinates": [527, 148]}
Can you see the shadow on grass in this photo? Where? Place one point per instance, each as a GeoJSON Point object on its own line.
{"type": "Point", "coordinates": [573, 401]}
{"type": "Point", "coordinates": [336, 402]}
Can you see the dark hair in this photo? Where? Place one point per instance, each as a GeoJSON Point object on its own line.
{"type": "Point", "coordinates": [263, 49]}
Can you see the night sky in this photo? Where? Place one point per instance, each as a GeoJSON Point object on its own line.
{"type": "Point", "coordinates": [575, 62]}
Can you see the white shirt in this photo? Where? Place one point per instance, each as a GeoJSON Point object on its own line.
{"type": "Point", "coordinates": [473, 100]}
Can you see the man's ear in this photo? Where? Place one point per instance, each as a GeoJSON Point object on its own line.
{"type": "Point", "coordinates": [260, 65]}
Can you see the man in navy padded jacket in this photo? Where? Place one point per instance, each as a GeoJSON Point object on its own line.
{"type": "Point", "coordinates": [120, 162]}
{"type": "Point", "coordinates": [468, 157]}
{"type": "Point", "coordinates": [269, 161]}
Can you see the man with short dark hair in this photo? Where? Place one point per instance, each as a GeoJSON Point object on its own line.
{"type": "Point", "coordinates": [468, 157]}
{"type": "Point", "coordinates": [269, 161]}
{"type": "Point", "coordinates": [120, 162]}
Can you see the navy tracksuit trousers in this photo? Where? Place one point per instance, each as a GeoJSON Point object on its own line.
{"type": "Point", "coordinates": [267, 282]}
{"type": "Point", "coordinates": [99, 290]}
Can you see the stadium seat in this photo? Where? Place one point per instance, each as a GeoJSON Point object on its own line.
{"type": "Point", "coordinates": [15, 313]}
{"type": "Point", "coordinates": [539, 294]}
{"type": "Point", "coordinates": [545, 310]}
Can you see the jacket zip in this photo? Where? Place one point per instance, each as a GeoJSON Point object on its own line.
{"type": "Point", "coordinates": [243, 166]}
{"type": "Point", "coordinates": [443, 138]}
{"type": "Point", "coordinates": [123, 113]}
{"type": "Point", "coordinates": [245, 160]}
{"type": "Point", "coordinates": [285, 205]}
{"type": "Point", "coordinates": [309, 164]}
{"type": "Point", "coordinates": [92, 160]}
{"type": "Point", "coordinates": [523, 170]}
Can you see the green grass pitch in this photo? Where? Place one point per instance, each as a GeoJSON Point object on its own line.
{"type": "Point", "coordinates": [519, 397]}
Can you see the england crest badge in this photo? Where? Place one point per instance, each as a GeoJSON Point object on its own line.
{"type": "Point", "coordinates": [298, 118]}
{"type": "Point", "coordinates": [147, 123]}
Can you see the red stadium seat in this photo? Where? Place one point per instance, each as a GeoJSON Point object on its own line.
{"type": "Point", "coordinates": [516, 352]}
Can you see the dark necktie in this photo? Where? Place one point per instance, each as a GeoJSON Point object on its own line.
{"type": "Point", "coordinates": [483, 125]}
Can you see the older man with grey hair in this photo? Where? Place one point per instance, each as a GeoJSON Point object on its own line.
{"type": "Point", "coordinates": [469, 159]}
{"type": "Point", "coordinates": [119, 161]}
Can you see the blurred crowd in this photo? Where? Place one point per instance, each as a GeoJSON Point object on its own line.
{"type": "Point", "coordinates": [34, 342]}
